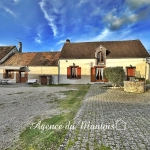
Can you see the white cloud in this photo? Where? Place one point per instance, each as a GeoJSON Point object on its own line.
{"type": "Point", "coordinates": [82, 2]}
{"type": "Point", "coordinates": [134, 4]}
{"type": "Point", "coordinates": [16, 1]}
{"type": "Point", "coordinates": [50, 18]}
{"type": "Point", "coordinates": [131, 14]}
{"type": "Point", "coordinates": [53, 13]}
{"type": "Point", "coordinates": [102, 36]}
{"type": "Point", "coordinates": [114, 22]}
{"type": "Point", "coordinates": [38, 40]}
{"type": "Point", "coordinates": [61, 42]}
{"type": "Point", "coordinates": [96, 11]}
{"type": "Point", "coordinates": [9, 11]}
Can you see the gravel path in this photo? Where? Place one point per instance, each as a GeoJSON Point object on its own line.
{"type": "Point", "coordinates": [111, 117]}
{"type": "Point", "coordinates": [20, 104]}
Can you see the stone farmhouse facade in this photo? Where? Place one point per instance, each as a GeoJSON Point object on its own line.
{"type": "Point", "coordinates": [76, 63]}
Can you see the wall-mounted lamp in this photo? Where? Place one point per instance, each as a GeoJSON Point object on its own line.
{"type": "Point", "coordinates": [130, 65]}
{"type": "Point", "coordinates": [73, 64]}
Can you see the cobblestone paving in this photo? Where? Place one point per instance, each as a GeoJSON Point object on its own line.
{"type": "Point", "coordinates": [113, 118]}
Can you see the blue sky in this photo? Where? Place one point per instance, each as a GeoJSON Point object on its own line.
{"type": "Point", "coordinates": [44, 25]}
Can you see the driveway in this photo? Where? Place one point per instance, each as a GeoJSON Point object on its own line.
{"type": "Point", "coordinates": [113, 118]}
{"type": "Point", "coordinates": [20, 104]}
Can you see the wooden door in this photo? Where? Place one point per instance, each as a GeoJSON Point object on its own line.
{"type": "Point", "coordinates": [44, 80]}
{"type": "Point", "coordinates": [23, 77]}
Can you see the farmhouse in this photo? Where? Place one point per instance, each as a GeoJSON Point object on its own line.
{"type": "Point", "coordinates": [77, 63]}
{"type": "Point", "coordinates": [82, 63]}
{"type": "Point", "coordinates": [19, 67]}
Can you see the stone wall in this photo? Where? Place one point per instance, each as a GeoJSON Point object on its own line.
{"type": "Point", "coordinates": [135, 87]}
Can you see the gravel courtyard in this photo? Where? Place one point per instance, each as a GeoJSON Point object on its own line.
{"type": "Point", "coordinates": [20, 104]}
{"type": "Point", "coordinates": [111, 117]}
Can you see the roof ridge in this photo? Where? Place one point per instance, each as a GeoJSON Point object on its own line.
{"type": "Point", "coordinates": [8, 46]}
{"type": "Point", "coordinates": [104, 41]}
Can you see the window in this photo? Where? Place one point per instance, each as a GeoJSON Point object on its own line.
{"type": "Point", "coordinates": [130, 72]}
{"type": "Point", "coordinates": [74, 72]}
{"type": "Point", "coordinates": [100, 57]}
{"type": "Point", "coordinates": [8, 74]}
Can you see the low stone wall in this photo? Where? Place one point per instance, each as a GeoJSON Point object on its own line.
{"type": "Point", "coordinates": [135, 87]}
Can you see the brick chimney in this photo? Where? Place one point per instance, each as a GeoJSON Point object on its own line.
{"type": "Point", "coordinates": [20, 47]}
{"type": "Point", "coordinates": [67, 41]}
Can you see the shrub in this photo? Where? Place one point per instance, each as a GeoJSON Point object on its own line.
{"type": "Point", "coordinates": [115, 75]}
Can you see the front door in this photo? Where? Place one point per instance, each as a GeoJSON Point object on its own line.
{"type": "Point", "coordinates": [97, 74]}
{"type": "Point", "coordinates": [23, 77]}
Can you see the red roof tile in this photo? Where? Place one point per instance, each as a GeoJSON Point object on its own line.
{"type": "Point", "coordinates": [33, 59]}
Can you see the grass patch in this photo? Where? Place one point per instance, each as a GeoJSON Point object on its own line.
{"type": "Point", "coordinates": [50, 85]}
{"type": "Point", "coordinates": [74, 98]}
{"type": "Point", "coordinates": [35, 85]}
{"type": "Point", "coordinates": [44, 134]}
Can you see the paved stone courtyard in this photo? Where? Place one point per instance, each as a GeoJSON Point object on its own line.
{"type": "Point", "coordinates": [113, 118]}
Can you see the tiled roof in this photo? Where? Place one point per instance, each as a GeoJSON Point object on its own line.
{"type": "Point", "coordinates": [4, 50]}
{"type": "Point", "coordinates": [115, 49]}
{"type": "Point", "coordinates": [33, 59]}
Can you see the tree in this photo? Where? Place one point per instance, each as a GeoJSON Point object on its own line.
{"type": "Point", "coordinates": [115, 75]}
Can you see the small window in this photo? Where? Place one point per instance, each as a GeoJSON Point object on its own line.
{"type": "Point", "coordinates": [100, 57]}
{"type": "Point", "coordinates": [74, 72]}
{"type": "Point", "coordinates": [8, 74]}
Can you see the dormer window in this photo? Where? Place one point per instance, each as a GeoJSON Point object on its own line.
{"type": "Point", "coordinates": [100, 57]}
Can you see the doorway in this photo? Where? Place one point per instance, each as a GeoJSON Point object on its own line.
{"type": "Point", "coordinates": [23, 77]}
{"type": "Point", "coordinates": [97, 74]}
